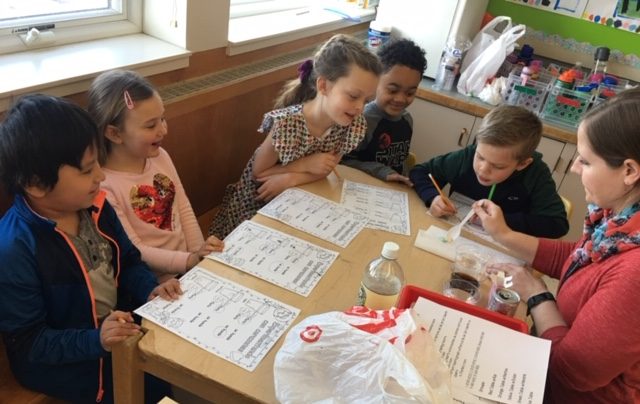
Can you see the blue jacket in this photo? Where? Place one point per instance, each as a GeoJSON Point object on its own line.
{"type": "Point", "coordinates": [47, 307]}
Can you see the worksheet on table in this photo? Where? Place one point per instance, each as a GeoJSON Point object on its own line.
{"type": "Point", "coordinates": [486, 359]}
{"type": "Point", "coordinates": [233, 322]}
{"type": "Point", "coordinates": [315, 215]}
{"type": "Point", "coordinates": [386, 209]}
{"type": "Point", "coordinates": [276, 257]}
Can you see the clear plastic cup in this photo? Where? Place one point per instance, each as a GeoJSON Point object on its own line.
{"type": "Point", "coordinates": [461, 289]}
{"type": "Point", "coordinates": [469, 264]}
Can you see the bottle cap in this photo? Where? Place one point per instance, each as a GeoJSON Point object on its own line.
{"type": "Point", "coordinates": [380, 26]}
{"type": "Point", "coordinates": [390, 250]}
{"type": "Point", "coordinates": [602, 53]}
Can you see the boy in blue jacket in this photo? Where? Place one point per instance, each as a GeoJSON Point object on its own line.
{"type": "Point", "coordinates": [68, 272]}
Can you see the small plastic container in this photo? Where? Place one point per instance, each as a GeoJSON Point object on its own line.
{"type": "Point", "coordinates": [566, 106]}
{"type": "Point", "coordinates": [530, 95]}
{"type": "Point", "coordinates": [378, 34]}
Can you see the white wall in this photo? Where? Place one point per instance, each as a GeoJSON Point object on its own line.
{"type": "Point", "coordinates": [196, 25]}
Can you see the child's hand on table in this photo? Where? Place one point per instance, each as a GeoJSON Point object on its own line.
{"type": "Point", "coordinates": [273, 185]}
{"type": "Point", "coordinates": [169, 290]}
{"type": "Point", "coordinates": [117, 327]}
{"type": "Point", "coordinates": [211, 244]}
{"type": "Point", "coordinates": [399, 178]}
{"type": "Point", "coordinates": [322, 163]}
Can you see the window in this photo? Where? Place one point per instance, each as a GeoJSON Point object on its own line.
{"type": "Point", "coordinates": [64, 21]}
{"type": "Point", "coordinates": [256, 24]}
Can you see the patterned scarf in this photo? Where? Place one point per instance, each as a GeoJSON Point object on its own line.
{"type": "Point", "coordinates": [606, 234]}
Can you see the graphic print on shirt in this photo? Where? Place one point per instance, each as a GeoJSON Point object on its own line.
{"type": "Point", "coordinates": [153, 204]}
{"type": "Point", "coordinates": [389, 144]}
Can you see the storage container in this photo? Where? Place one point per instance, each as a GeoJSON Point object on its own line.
{"type": "Point", "coordinates": [566, 106]}
{"type": "Point", "coordinates": [530, 96]}
{"type": "Point", "coordinates": [411, 293]}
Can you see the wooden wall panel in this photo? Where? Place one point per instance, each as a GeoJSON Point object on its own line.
{"type": "Point", "coordinates": [211, 146]}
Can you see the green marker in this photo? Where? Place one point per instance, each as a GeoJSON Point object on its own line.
{"type": "Point", "coordinates": [493, 189]}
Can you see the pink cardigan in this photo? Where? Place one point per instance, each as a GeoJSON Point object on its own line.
{"type": "Point", "coordinates": [156, 214]}
{"type": "Point", "coordinates": [596, 358]}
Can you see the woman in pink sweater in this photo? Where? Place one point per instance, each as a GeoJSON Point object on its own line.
{"type": "Point", "coordinates": [594, 324]}
{"type": "Point", "coordinates": [141, 182]}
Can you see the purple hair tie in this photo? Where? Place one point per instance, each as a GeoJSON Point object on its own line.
{"type": "Point", "coordinates": [304, 70]}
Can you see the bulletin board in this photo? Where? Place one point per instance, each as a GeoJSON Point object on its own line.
{"type": "Point", "coordinates": [620, 14]}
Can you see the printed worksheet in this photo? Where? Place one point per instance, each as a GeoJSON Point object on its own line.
{"type": "Point", "coordinates": [315, 215]}
{"type": "Point", "coordinates": [386, 209]}
{"type": "Point", "coordinates": [276, 257]}
{"type": "Point", "coordinates": [486, 359]}
{"type": "Point", "coordinates": [222, 317]}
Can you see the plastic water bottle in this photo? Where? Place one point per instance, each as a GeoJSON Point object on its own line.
{"type": "Point", "coordinates": [450, 62]}
{"type": "Point", "coordinates": [378, 34]}
{"type": "Point", "coordinates": [382, 280]}
{"type": "Point", "coordinates": [601, 57]}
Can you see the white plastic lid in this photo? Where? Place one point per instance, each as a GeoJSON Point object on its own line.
{"type": "Point", "coordinates": [390, 250]}
{"type": "Point", "coordinates": [379, 26]}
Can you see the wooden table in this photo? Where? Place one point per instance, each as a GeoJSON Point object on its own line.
{"type": "Point", "coordinates": [182, 363]}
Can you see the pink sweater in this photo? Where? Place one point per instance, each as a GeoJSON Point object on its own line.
{"type": "Point", "coordinates": [156, 214]}
{"type": "Point", "coordinates": [596, 358]}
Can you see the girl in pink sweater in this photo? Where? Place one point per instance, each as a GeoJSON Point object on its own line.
{"type": "Point", "coordinates": [593, 325]}
{"type": "Point", "coordinates": [141, 181]}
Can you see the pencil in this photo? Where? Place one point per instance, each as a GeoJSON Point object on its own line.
{"type": "Point", "coordinates": [491, 191]}
{"type": "Point", "coordinates": [336, 174]}
{"type": "Point", "coordinates": [444, 198]}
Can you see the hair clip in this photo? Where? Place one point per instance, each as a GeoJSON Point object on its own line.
{"type": "Point", "coordinates": [127, 100]}
{"type": "Point", "coordinates": [305, 69]}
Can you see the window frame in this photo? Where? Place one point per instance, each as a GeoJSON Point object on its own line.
{"type": "Point", "coordinates": [248, 8]}
{"type": "Point", "coordinates": [92, 27]}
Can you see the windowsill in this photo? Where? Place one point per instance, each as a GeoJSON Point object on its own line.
{"type": "Point", "coordinates": [69, 69]}
{"type": "Point", "coordinates": [260, 31]}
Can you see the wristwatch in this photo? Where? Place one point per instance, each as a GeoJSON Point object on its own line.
{"type": "Point", "coordinates": [537, 299]}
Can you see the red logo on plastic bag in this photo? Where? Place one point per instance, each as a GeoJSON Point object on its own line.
{"type": "Point", "coordinates": [311, 334]}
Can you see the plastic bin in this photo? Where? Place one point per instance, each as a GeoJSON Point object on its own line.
{"type": "Point", "coordinates": [410, 294]}
{"type": "Point", "coordinates": [566, 106]}
{"type": "Point", "coordinates": [530, 96]}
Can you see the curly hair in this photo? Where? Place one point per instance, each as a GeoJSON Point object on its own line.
{"type": "Point", "coordinates": [402, 52]}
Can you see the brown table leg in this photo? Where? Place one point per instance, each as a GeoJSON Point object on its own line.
{"type": "Point", "coordinates": [128, 376]}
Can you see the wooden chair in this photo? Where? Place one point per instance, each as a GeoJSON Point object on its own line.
{"type": "Point", "coordinates": [568, 207]}
{"type": "Point", "coordinates": [12, 391]}
{"type": "Point", "coordinates": [410, 162]}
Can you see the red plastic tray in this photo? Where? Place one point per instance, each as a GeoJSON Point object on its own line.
{"type": "Point", "coordinates": [410, 294]}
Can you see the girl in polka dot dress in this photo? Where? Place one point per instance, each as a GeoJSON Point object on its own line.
{"type": "Point", "coordinates": [317, 120]}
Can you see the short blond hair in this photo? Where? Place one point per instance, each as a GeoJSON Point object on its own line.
{"type": "Point", "coordinates": [509, 126]}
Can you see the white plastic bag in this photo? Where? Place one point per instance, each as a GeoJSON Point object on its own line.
{"type": "Point", "coordinates": [493, 93]}
{"type": "Point", "coordinates": [361, 356]}
{"type": "Point", "coordinates": [473, 80]}
{"type": "Point", "coordinates": [485, 37]}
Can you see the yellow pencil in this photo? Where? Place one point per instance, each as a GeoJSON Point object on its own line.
{"type": "Point", "coordinates": [442, 195]}
{"type": "Point", "coordinates": [337, 175]}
